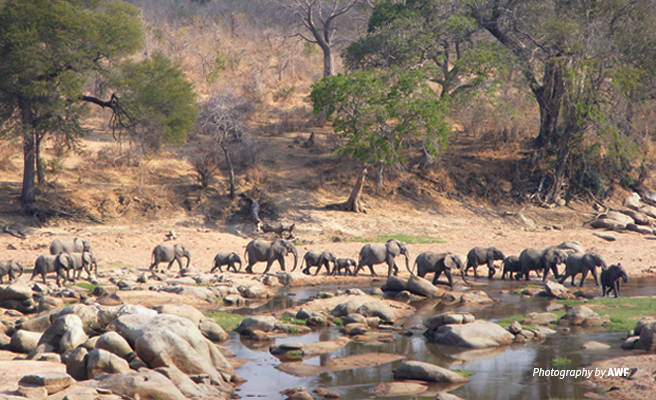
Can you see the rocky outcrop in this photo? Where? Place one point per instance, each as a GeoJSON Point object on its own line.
{"type": "Point", "coordinates": [422, 371]}
{"type": "Point", "coordinates": [366, 306]}
{"type": "Point", "coordinates": [476, 335]}
{"type": "Point", "coordinates": [557, 290]}
{"type": "Point", "coordinates": [583, 316]}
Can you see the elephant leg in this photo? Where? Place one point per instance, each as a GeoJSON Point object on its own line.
{"type": "Point", "coordinates": [371, 268]}
{"type": "Point", "coordinates": [564, 277]}
{"type": "Point", "coordinates": [249, 268]}
{"type": "Point", "coordinates": [268, 266]}
{"type": "Point", "coordinates": [281, 261]}
{"type": "Point", "coordinates": [490, 269]}
{"type": "Point", "coordinates": [391, 267]}
{"type": "Point", "coordinates": [593, 271]}
{"type": "Point", "coordinates": [449, 277]}
{"type": "Point", "coordinates": [179, 260]}
{"type": "Point", "coordinates": [617, 288]}
{"type": "Point", "coordinates": [437, 276]}
{"type": "Point", "coordinates": [168, 267]}
{"type": "Point", "coordinates": [584, 273]}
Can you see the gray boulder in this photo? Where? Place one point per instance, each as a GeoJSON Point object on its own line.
{"type": "Point", "coordinates": [212, 330]}
{"type": "Point", "coordinates": [103, 362]}
{"type": "Point", "coordinates": [648, 336]}
{"type": "Point", "coordinates": [181, 310]}
{"type": "Point", "coordinates": [17, 291]}
{"type": "Point", "coordinates": [24, 341]}
{"type": "Point", "coordinates": [66, 333]}
{"type": "Point", "coordinates": [54, 382]}
{"type": "Point", "coordinates": [377, 308]}
{"type": "Point", "coordinates": [395, 283]}
{"type": "Point", "coordinates": [76, 363]}
{"type": "Point", "coordinates": [477, 335]}
{"type": "Point", "coordinates": [423, 287]}
{"type": "Point", "coordinates": [422, 371]}
{"type": "Point", "coordinates": [449, 318]}
{"type": "Point", "coordinates": [115, 344]}
{"type": "Point", "coordinates": [264, 324]}
{"type": "Point", "coordinates": [145, 385]}
{"type": "Point", "coordinates": [619, 217]}
{"type": "Point", "coordinates": [557, 290]}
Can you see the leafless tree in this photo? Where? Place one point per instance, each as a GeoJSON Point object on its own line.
{"type": "Point", "coordinates": [318, 17]}
{"type": "Point", "coordinates": [223, 120]}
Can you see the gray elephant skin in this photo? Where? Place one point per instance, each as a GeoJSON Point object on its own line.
{"type": "Point", "coordinates": [76, 262]}
{"type": "Point", "coordinates": [428, 262]}
{"type": "Point", "coordinates": [47, 263]}
{"type": "Point", "coordinates": [375, 253]}
{"type": "Point", "coordinates": [9, 269]}
{"type": "Point", "coordinates": [229, 259]}
{"type": "Point", "coordinates": [261, 250]}
{"type": "Point", "coordinates": [483, 255]}
{"type": "Point", "coordinates": [344, 264]}
{"type": "Point", "coordinates": [544, 260]}
{"type": "Point", "coordinates": [610, 279]}
{"type": "Point", "coordinates": [578, 263]}
{"type": "Point", "coordinates": [75, 245]}
{"type": "Point", "coordinates": [511, 265]}
{"type": "Point", "coordinates": [170, 253]}
{"type": "Point", "coordinates": [317, 259]}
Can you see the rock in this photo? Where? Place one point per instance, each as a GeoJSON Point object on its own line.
{"type": "Point", "coordinates": [188, 387]}
{"type": "Point", "coordinates": [65, 333]}
{"type": "Point", "coordinates": [49, 357]}
{"type": "Point", "coordinates": [476, 297]}
{"type": "Point", "coordinates": [181, 310]}
{"type": "Point", "coordinates": [145, 384]}
{"type": "Point", "coordinates": [592, 345]}
{"type": "Point", "coordinates": [167, 341]}
{"type": "Point", "coordinates": [4, 341]}
{"type": "Point", "coordinates": [49, 303]}
{"type": "Point", "coordinates": [103, 362]}
{"type": "Point", "coordinates": [252, 291]}
{"type": "Point", "coordinates": [422, 371]}
{"type": "Point", "coordinates": [447, 396]}
{"type": "Point", "coordinates": [100, 291]}
{"type": "Point", "coordinates": [650, 211]}
{"type": "Point", "coordinates": [449, 318]}
{"type": "Point", "coordinates": [605, 236]}
{"type": "Point", "coordinates": [477, 335]}
{"type": "Point", "coordinates": [355, 329]}
{"type": "Point", "coordinates": [515, 328]}
{"type": "Point", "coordinates": [17, 291]}
{"type": "Point", "coordinates": [298, 394]}
{"type": "Point", "coordinates": [647, 335]}
{"type": "Point", "coordinates": [32, 392]}
{"type": "Point", "coordinates": [24, 341]}
{"type": "Point", "coordinates": [641, 229]}
{"type": "Point", "coordinates": [212, 330]}
{"type": "Point", "coordinates": [317, 319]}
{"type": "Point", "coordinates": [303, 314]}
{"type": "Point", "coordinates": [619, 217]}
{"type": "Point", "coordinates": [544, 318]}
{"type": "Point", "coordinates": [376, 292]}
{"type": "Point", "coordinates": [406, 296]}
{"type": "Point", "coordinates": [423, 287]}
{"type": "Point", "coordinates": [115, 344]}
{"type": "Point", "coordinates": [325, 393]}
{"type": "Point", "coordinates": [632, 201]}
{"type": "Point", "coordinates": [53, 382]}
{"type": "Point", "coordinates": [347, 307]}
{"type": "Point", "coordinates": [608, 224]}
{"type": "Point", "coordinates": [355, 292]}
{"type": "Point", "coordinates": [76, 363]}
{"type": "Point", "coordinates": [264, 324]}
{"type": "Point", "coordinates": [354, 318]}
{"type": "Point", "coordinates": [630, 342]}
{"type": "Point", "coordinates": [234, 300]}
{"type": "Point", "coordinates": [377, 308]}
{"type": "Point", "coordinates": [395, 283]}
{"type": "Point", "coordinates": [577, 315]}
{"type": "Point", "coordinates": [638, 217]}
{"type": "Point", "coordinates": [557, 290]}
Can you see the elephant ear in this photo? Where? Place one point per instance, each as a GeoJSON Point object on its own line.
{"type": "Point", "coordinates": [450, 262]}
{"type": "Point", "coordinates": [86, 257]}
{"type": "Point", "coordinates": [393, 247]}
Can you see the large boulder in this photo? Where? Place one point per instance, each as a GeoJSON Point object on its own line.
{"type": "Point", "coordinates": [477, 335]}
{"type": "Point", "coordinates": [76, 363]}
{"type": "Point", "coordinates": [54, 382]}
{"type": "Point", "coordinates": [557, 290]}
{"type": "Point", "coordinates": [647, 334]}
{"type": "Point", "coordinates": [115, 344]}
{"type": "Point", "coordinates": [143, 385]}
{"type": "Point", "coordinates": [366, 306]}
{"type": "Point", "coordinates": [212, 330]}
{"type": "Point", "coordinates": [24, 341]}
{"type": "Point", "coordinates": [422, 371]}
{"type": "Point", "coordinates": [449, 318]}
{"type": "Point", "coordinates": [582, 315]}
{"type": "Point", "coordinates": [395, 283]}
{"type": "Point", "coordinates": [475, 297]}
{"type": "Point", "coordinates": [619, 217]}
{"type": "Point", "coordinates": [66, 333]}
{"type": "Point", "coordinates": [181, 310]}
{"type": "Point", "coordinates": [103, 362]}
{"type": "Point", "coordinates": [264, 324]}
{"type": "Point", "coordinates": [171, 341]}
{"type": "Point", "coordinates": [423, 287]}
{"type": "Point", "coordinates": [17, 291]}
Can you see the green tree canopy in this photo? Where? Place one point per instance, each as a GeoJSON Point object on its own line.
{"type": "Point", "coordinates": [49, 49]}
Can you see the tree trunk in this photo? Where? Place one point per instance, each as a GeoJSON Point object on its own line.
{"type": "Point", "coordinates": [550, 98]}
{"type": "Point", "coordinates": [354, 203]}
{"type": "Point", "coordinates": [380, 167]}
{"type": "Point", "coordinates": [328, 68]}
{"type": "Point", "coordinates": [29, 160]}
{"type": "Point", "coordinates": [231, 171]}
{"type": "Point", "coordinates": [40, 168]}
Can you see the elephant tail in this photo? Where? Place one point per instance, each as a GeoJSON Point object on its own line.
{"type": "Point", "coordinates": [414, 267]}
{"type": "Point", "coordinates": [246, 257]}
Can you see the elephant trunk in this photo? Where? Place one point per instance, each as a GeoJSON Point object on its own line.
{"type": "Point", "coordinates": [462, 274]}
{"type": "Point", "coordinates": [295, 253]}
{"type": "Point", "coordinates": [407, 262]}
{"type": "Point", "coordinates": [188, 261]}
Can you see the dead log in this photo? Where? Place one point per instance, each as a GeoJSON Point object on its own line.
{"type": "Point", "coordinates": [279, 230]}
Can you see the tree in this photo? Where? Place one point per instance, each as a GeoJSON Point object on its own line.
{"type": "Point", "coordinates": [319, 18]}
{"type": "Point", "coordinates": [49, 50]}
{"type": "Point", "coordinates": [381, 116]}
{"type": "Point", "coordinates": [436, 36]}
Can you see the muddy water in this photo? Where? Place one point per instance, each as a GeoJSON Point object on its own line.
{"type": "Point", "coordinates": [505, 373]}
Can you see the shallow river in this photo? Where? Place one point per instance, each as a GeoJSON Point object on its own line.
{"type": "Point", "coordinates": [499, 373]}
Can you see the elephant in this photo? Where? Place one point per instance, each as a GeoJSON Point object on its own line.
{"type": "Point", "coordinates": [170, 253]}
{"type": "Point", "coordinates": [582, 263]}
{"type": "Point", "coordinates": [222, 259]}
{"type": "Point", "coordinates": [483, 255]}
{"type": "Point", "coordinates": [376, 253]}
{"type": "Point", "coordinates": [610, 279]}
{"type": "Point", "coordinates": [75, 245]}
{"type": "Point", "coordinates": [512, 265]}
{"type": "Point", "coordinates": [47, 263]}
{"type": "Point", "coordinates": [77, 262]}
{"type": "Point", "coordinates": [546, 259]}
{"type": "Point", "coordinates": [344, 264]}
{"type": "Point", "coordinates": [10, 268]}
{"type": "Point", "coordinates": [439, 263]}
{"type": "Point", "coordinates": [261, 250]}
{"type": "Point", "coordinates": [319, 260]}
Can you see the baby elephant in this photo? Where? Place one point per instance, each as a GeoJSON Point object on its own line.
{"type": "Point", "coordinates": [222, 259]}
{"type": "Point", "coordinates": [169, 253]}
{"type": "Point", "coordinates": [483, 255]}
{"type": "Point", "coordinates": [319, 260]}
{"type": "Point", "coordinates": [10, 268]}
{"type": "Point", "coordinates": [512, 265]}
{"type": "Point", "coordinates": [344, 264]}
{"type": "Point", "coordinates": [610, 279]}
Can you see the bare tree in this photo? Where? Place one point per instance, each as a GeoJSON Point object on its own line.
{"type": "Point", "coordinates": [318, 17]}
{"type": "Point", "coordinates": [223, 119]}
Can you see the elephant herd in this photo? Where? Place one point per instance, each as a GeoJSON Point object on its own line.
{"type": "Point", "coordinates": [74, 255]}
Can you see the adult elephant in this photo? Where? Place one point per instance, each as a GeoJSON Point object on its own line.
{"type": "Point", "coordinates": [511, 265]}
{"type": "Point", "coordinates": [546, 259]}
{"type": "Point", "coordinates": [76, 262]}
{"type": "Point", "coordinates": [439, 263]}
{"type": "Point", "coordinates": [170, 253]}
{"type": "Point", "coordinates": [230, 260]}
{"type": "Point", "coordinates": [483, 255]}
{"type": "Point", "coordinates": [74, 245]}
{"type": "Point", "coordinates": [578, 263]}
{"type": "Point", "coordinates": [10, 269]}
{"type": "Point", "coordinates": [317, 259]}
{"type": "Point", "coordinates": [45, 264]}
{"type": "Point", "coordinates": [261, 250]}
{"type": "Point", "coordinates": [610, 279]}
{"type": "Point", "coordinates": [375, 253]}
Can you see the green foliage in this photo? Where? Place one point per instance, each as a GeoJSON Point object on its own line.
{"type": "Point", "coordinates": [225, 320]}
{"type": "Point", "coordinates": [381, 116]}
{"type": "Point", "coordinates": [464, 372]}
{"type": "Point", "coordinates": [560, 362]}
{"type": "Point", "coordinates": [338, 322]}
{"type": "Point", "coordinates": [88, 286]}
{"type": "Point", "coordinates": [294, 321]}
{"type": "Point", "coordinates": [623, 312]}
{"type": "Point", "coordinates": [156, 92]}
